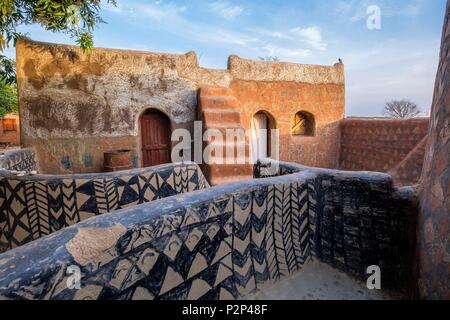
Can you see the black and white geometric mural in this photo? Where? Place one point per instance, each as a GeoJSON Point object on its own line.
{"type": "Point", "coordinates": [35, 206]}
{"type": "Point", "coordinates": [220, 247]}
{"type": "Point", "coordinates": [216, 243]}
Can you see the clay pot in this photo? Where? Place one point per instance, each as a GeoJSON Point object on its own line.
{"type": "Point", "coordinates": [117, 160]}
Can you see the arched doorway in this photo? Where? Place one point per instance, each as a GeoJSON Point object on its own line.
{"type": "Point", "coordinates": [155, 138]}
{"type": "Point", "coordinates": [262, 124]}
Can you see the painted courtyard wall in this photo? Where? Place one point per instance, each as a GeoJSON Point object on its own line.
{"type": "Point", "coordinates": [221, 243]}
{"type": "Point", "coordinates": [371, 144]}
{"type": "Point", "coordinates": [74, 106]}
{"type": "Point", "coordinates": [33, 206]}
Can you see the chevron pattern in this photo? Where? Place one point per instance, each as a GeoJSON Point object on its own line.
{"type": "Point", "coordinates": [224, 248]}
{"type": "Point", "coordinates": [38, 209]}
{"type": "Point", "coordinates": [31, 209]}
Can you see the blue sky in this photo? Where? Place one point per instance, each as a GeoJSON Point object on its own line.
{"type": "Point", "coordinates": [398, 61]}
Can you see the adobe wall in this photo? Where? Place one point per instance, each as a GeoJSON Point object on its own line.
{"type": "Point", "coordinates": [74, 106]}
{"type": "Point", "coordinates": [10, 137]}
{"type": "Point", "coordinates": [376, 144]}
{"type": "Point", "coordinates": [361, 219]}
{"type": "Point", "coordinates": [433, 232]}
{"type": "Point", "coordinates": [282, 90]}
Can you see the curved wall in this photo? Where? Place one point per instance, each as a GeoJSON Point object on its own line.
{"type": "Point", "coordinates": [222, 243]}
{"type": "Point", "coordinates": [433, 232]}
{"type": "Point", "coordinates": [32, 206]}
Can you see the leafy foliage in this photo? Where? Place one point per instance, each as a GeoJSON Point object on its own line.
{"type": "Point", "coordinates": [401, 109]}
{"type": "Point", "coordinates": [8, 89]}
{"type": "Point", "coordinates": [8, 98]}
{"type": "Point", "coordinates": [74, 17]}
{"type": "Point", "coordinates": [7, 70]}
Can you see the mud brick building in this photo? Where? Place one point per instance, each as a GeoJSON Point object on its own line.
{"type": "Point", "coordinates": [75, 107]}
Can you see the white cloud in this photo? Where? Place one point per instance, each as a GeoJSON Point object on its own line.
{"type": "Point", "coordinates": [159, 12]}
{"type": "Point", "coordinates": [273, 50]}
{"type": "Point", "coordinates": [272, 34]}
{"type": "Point", "coordinates": [312, 36]}
{"type": "Point", "coordinates": [226, 9]}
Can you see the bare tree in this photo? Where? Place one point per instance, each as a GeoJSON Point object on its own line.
{"type": "Point", "coordinates": [401, 109]}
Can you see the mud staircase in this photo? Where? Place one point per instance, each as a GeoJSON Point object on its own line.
{"type": "Point", "coordinates": [218, 110]}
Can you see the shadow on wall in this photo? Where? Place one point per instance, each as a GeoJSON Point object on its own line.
{"type": "Point", "coordinates": [382, 145]}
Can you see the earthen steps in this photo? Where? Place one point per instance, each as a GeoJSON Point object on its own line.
{"type": "Point", "coordinates": [230, 169]}
{"type": "Point", "coordinates": [219, 111]}
{"type": "Point", "coordinates": [212, 116]}
{"type": "Point", "coordinates": [219, 103]}
{"type": "Point", "coordinates": [217, 181]}
{"type": "Point", "coordinates": [215, 91]}
{"type": "Point", "coordinates": [223, 127]}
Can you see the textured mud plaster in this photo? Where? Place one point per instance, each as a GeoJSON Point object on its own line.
{"type": "Point", "coordinates": [91, 245]}
{"type": "Point", "coordinates": [100, 94]}
{"type": "Point", "coordinates": [249, 70]}
{"type": "Point", "coordinates": [281, 100]}
{"type": "Point", "coordinates": [433, 232]}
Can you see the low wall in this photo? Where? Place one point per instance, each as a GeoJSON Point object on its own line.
{"type": "Point", "coordinates": [32, 206]}
{"type": "Point", "coordinates": [361, 220]}
{"type": "Point", "coordinates": [378, 144]}
{"type": "Point", "coordinates": [221, 243]}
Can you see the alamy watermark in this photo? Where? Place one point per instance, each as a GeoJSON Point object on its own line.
{"type": "Point", "coordinates": [374, 17]}
{"type": "Point", "coordinates": [225, 146]}
{"type": "Point", "coordinates": [374, 280]}
{"type": "Point", "coordinates": [73, 17]}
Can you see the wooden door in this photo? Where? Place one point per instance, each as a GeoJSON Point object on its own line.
{"type": "Point", "coordinates": [259, 145]}
{"type": "Point", "coordinates": [155, 131]}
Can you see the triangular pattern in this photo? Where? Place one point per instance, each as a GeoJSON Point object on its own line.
{"type": "Point", "coordinates": [35, 208]}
